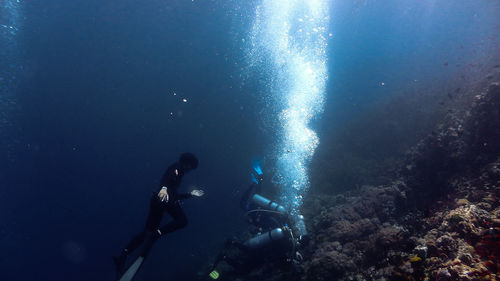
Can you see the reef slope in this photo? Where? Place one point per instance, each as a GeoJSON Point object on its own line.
{"type": "Point", "coordinates": [439, 220]}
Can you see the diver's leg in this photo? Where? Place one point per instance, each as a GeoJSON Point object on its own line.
{"type": "Point", "coordinates": [134, 243]}
{"type": "Point", "coordinates": [238, 256]}
{"type": "Point", "coordinates": [214, 274]}
{"type": "Point", "coordinates": [150, 238]}
{"type": "Point", "coordinates": [179, 219]}
{"type": "Point", "coordinates": [131, 246]}
{"type": "Point", "coordinates": [222, 254]}
{"type": "Point", "coordinates": [152, 222]}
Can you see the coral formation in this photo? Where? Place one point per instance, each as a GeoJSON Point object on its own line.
{"type": "Point", "coordinates": [438, 221]}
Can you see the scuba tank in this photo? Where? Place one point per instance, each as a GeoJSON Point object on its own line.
{"type": "Point", "coordinates": [267, 204]}
{"type": "Point", "coordinates": [259, 200]}
{"type": "Point", "coordinates": [300, 226]}
{"type": "Point", "coordinates": [264, 239]}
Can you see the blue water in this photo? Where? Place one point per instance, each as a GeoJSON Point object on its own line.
{"type": "Point", "coordinates": [97, 98]}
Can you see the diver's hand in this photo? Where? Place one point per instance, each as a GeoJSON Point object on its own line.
{"type": "Point", "coordinates": [163, 194]}
{"type": "Point", "coordinates": [197, 192]}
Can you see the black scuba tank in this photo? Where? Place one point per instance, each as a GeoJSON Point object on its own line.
{"type": "Point", "coordinates": [264, 239]}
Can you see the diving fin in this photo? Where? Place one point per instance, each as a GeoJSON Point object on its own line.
{"type": "Point", "coordinates": [257, 175]}
{"type": "Point", "coordinates": [132, 270]}
{"type": "Point", "coordinates": [214, 274]}
{"type": "Point", "coordinates": [254, 179]}
{"type": "Point", "coordinates": [257, 168]}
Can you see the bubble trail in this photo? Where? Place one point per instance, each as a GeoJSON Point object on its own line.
{"type": "Point", "coordinates": [288, 44]}
{"type": "Point", "coordinates": [10, 67]}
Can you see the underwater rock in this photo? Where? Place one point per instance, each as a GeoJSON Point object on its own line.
{"type": "Point", "coordinates": [466, 220]}
{"type": "Point", "coordinates": [358, 231]}
{"type": "Point", "coordinates": [443, 275]}
{"type": "Point", "coordinates": [462, 202]}
{"type": "Point", "coordinates": [463, 143]}
{"type": "Point", "coordinates": [466, 258]}
{"type": "Point", "coordinates": [432, 223]}
{"type": "Point", "coordinates": [447, 246]}
{"type": "Point", "coordinates": [346, 231]}
{"type": "Point", "coordinates": [327, 265]}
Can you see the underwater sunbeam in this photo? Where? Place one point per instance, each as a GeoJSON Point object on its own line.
{"type": "Point", "coordinates": [289, 39]}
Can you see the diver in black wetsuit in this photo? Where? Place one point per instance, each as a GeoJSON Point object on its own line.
{"type": "Point", "coordinates": [165, 200]}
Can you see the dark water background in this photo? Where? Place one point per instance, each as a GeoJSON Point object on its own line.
{"type": "Point", "coordinates": [93, 132]}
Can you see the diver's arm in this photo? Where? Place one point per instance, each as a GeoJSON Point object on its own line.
{"type": "Point", "coordinates": [194, 193]}
{"type": "Point", "coordinates": [183, 196]}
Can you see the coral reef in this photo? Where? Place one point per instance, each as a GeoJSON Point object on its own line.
{"type": "Point", "coordinates": [463, 143]}
{"type": "Point", "coordinates": [438, 221]}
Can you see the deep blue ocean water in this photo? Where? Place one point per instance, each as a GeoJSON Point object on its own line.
{"type": "Point", "coordinates": [90, 120]}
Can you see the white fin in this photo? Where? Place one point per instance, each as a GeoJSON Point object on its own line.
{"type": "Point", "coordinates": [132, 270]}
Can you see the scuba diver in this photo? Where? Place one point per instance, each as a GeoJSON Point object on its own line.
{"type": "Point", "coordinates": [166, 199]}
{"type": "Point", "coordinates": [272, 240]}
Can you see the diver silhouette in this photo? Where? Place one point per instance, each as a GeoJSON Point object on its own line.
{"type": "Point", "coordinates": [166, 199]}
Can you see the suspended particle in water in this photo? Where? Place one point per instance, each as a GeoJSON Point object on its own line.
{"type": "Point", "coordinates": [184, 100]}
{"type": "Point", "coordinates": [74, 252]}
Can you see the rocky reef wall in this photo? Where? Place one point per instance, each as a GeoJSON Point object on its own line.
{"type": "Point", "coordinates": [439, 220]}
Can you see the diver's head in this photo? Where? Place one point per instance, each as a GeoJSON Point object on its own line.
{"type": "Point", "coordinates": [188, 161]}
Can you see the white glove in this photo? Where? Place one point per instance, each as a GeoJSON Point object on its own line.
{"type": "Point", "coordinates": [163, 194]}
{"type": "Point", "coordinates": [197, 192]}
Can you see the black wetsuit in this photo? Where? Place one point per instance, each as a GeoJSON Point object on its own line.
{"type": "Point", "coordinates": [172, 180]}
